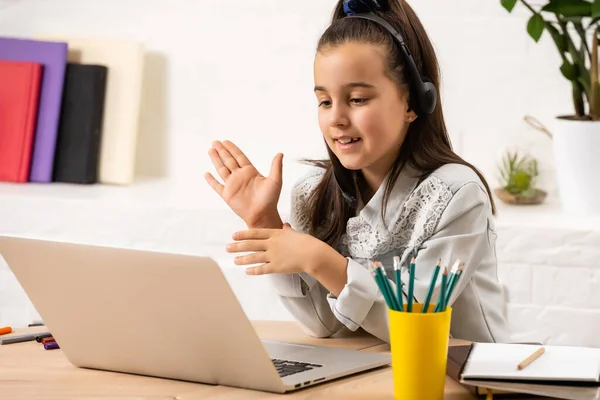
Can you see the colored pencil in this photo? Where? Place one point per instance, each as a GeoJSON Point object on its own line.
{"type": "Point", "coordinates": [440, 304]}
{"type": "Point", "coordinates": [431, 286]}
{"type": "Point", "coordinates": [411, 284]}
{"type": "Point", "coordinates": [386, 284]}
{"type": "Point", "coordinates": [376, 273]}
{"type": "Point", "coordinates": [398, 278]}
{"type": "Point", "coordinates": [457, 276]}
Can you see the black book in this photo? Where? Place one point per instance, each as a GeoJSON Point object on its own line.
{"type": "Point", "coordinates": [80, 127]}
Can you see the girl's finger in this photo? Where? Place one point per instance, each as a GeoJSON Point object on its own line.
{"type": "Point", "coordinates": [255, 258]}
{"type": "Point", "coordinates": [222, 170]}
{"type": "Point", "coordinates": [215, 184]}
{"type": "Point", "coordinates": [239, 156]}
{"type": "Point", "coordinates": [226, 156]}
{"type": "Point", "coordinates": [246, 246]}
{"type": "Point", "coordinates": [260, 270]}
{"type": "Point", "coordinates": [259, 234]}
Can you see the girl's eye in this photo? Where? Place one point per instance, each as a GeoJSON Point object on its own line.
{"type": "Point", "coordinates": [325, 103]}
{"type": "Point", "coordinates": [358, 101]}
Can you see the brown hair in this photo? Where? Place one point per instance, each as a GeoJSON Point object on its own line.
{"type": "Point", "coordinates": [426, 146]}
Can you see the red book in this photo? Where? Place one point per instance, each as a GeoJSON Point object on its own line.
{"type": "Point", "coordinates": [19, 97]}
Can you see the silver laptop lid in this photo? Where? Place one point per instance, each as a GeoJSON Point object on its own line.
{"type": "Point", "coordinates": [149, 313]}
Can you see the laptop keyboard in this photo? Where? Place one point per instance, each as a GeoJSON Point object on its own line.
{"type": "Point", "coordinates": [287, 367]}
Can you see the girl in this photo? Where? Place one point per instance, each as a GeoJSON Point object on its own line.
{"type": "Point", "coordinates": [392, 187]}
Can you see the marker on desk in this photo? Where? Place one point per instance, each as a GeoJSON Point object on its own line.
{"type": "Point", "coordinates": [23, 338]}
{"type": "Point", "coordinates": [48, 340]}
{"type": "Point", "coordinates": [51, 346]}
{"type": "Point", "coordinates": [5, 330]}
{"type": "Point", "coordinates": [41, 336]}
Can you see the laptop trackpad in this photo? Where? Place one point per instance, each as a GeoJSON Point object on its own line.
{"type": "Point", "coordinates": [286, 350]}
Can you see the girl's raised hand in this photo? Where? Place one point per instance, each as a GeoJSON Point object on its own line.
{"type": "Point", "coordinates": [252, 196]}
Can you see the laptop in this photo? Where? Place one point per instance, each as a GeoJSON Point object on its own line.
{"type": "Point", "coordinates": [163, 315]}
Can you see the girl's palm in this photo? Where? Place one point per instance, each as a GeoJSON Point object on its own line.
{"type": "Point", "coordinates": [249, 194]}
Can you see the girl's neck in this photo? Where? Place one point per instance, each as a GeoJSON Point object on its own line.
{"type": "Point", "coordinates": [369, 184]}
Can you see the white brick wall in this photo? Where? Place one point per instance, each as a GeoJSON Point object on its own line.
{"type": "Point", "coordinates": [549, 267]}
{"type": "Point", "coordinates": [242, 70]}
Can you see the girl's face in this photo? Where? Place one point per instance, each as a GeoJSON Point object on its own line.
{"type": "Point", "coordinates": [363, 114]}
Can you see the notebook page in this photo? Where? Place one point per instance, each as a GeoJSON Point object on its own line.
{"type": "Point", "coordinates": [500, 360]}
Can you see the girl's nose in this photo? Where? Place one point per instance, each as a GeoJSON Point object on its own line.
{"type": "Point", "coordinates": [338, 118]}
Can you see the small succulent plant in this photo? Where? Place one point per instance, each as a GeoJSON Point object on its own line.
{"type": "Point", "coordinates": [518, 174]}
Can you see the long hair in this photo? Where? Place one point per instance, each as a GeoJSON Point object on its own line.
{"type": "Point", "coordinates": [427, 145]}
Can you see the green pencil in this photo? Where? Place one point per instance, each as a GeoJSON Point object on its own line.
{"type": "Point", "coordinates": [411, 284]}
{"type": "Point", "coordinates": [387, 286]}
{"type": "Point", "coordinates": [454, 282]}
{"type": "Point", "coordinates": [431, 286]}
{"type": "Point", "coordinates": [440, 304]}
{"type": "Point", "coordinates": [398, 278]}
{"type": "Point", "coordinates": [373, 270]}
{"type": "Point", "coordinates": [453, 272]}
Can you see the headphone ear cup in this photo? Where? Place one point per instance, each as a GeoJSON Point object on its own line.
{"type": "Point", "coordinates": [427, 96]}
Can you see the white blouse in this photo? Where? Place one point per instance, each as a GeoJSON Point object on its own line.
{"type": "Point", "coordinates": [448, 215]}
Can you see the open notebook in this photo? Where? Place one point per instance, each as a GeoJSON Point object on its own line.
{"type": "Point", "coordinates": [498, 361]}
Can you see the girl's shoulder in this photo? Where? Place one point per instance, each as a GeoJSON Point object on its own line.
{"type": "Point", "coordinates": [455, 177]}
{"type": "Point", "coordinates": [451, 188]}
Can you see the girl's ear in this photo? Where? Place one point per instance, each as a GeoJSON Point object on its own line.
{"type": "Point", "coordinates": [411, 116]}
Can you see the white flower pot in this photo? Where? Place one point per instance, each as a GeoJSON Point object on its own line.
{"type": "Point", "coordinates": [577, 158]}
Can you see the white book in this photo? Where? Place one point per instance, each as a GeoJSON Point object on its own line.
{"type": "Point", "coordinates": [125, 62]}
{"type": "Point", "coordinates": [499, 361]}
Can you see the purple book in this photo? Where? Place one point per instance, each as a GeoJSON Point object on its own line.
{"type": "Point", "coordinates": [53, 57]}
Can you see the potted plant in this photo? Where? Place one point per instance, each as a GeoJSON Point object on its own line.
{"type": "Point", "coordinates": [518, 178]}
{"type": "Point", "coordinates": [574, 27]}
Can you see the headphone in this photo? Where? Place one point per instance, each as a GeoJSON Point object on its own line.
{"type": "Point", "coordinates": [422, 87]}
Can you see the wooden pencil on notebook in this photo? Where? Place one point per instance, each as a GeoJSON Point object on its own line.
{"type": "Point", "coordinates": [537, 354]}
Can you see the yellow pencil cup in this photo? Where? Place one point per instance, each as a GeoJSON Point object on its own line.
{"type": "Point", "coordinates": [419, 345]}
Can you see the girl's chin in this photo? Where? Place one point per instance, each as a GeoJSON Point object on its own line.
{"type": "Point", "coordinates": [352, 163]}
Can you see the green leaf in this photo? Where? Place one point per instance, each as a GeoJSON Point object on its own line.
{"type": "Point", "coordinates": [535, 26]}
{"type": "Point", "coordinates": [569, 8]}
{"type": "Point", "coordinates": [559, 39]}
{"type": "Point", "coordinates": [582, 35]}
{"type": "Point", "coordinates": [569, 71]}
{"type": "Point", "coordinates": [508, 4]}
{"type": "Point", "coordinates": [596, 9]}
{"type": "Point", "coordinates": [577, 19]}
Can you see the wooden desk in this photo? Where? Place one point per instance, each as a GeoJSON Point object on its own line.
{"type": "Point", "coordinates": [27, 371]}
